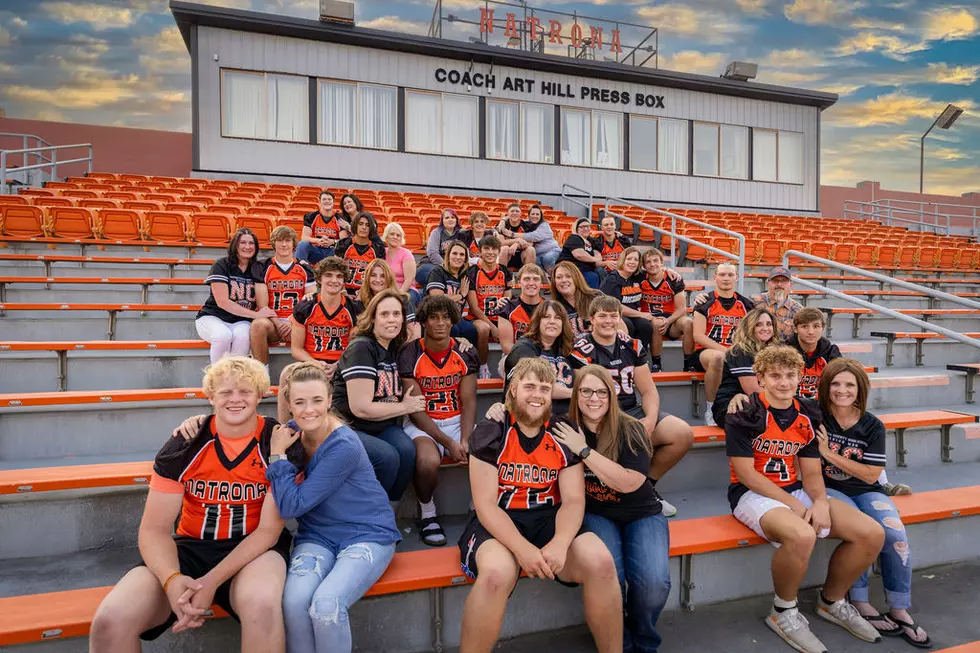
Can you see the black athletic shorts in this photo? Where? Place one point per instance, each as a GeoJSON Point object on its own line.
{"type": "Point", "coordinates": [198, 557]}
{"type": "Point", "coordinates": [637, 412]}
{"type": "Point", "coordinates": [696, 362]}
{"type": "Point", "coordinates": [537, 526]}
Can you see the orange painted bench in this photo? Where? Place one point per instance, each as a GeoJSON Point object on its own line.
{"type": "Point", "coordinates": [971, 369]}
{"type": "Point", "coordinates": [917, 336]}
{"type": "Point", "coordinates": [143, 282]}
{"type": "Point", "coordinates": [60, 615]}
{"type": "Point", "coordinates": [972, 647]}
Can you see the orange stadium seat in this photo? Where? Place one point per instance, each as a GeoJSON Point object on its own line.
{"type": "Point", "coordinates": [262, 226]}
{"type": "Point", "coordinates": [772, 252]}
{"type": "Point", "coordinates": [53, 201]}
{"type": "Point", "coordinates": [36, 192]}
{"type": "Point", "coordinates": [166, 226]}
{"type": "Point", "coordinates": [887, 255]}
{"type": "Point", "coordinates": [844, 253]}
{"type": "Point", "coordinates": [120, 195]}
{"type": "Point", "coordinates": [22, 221]}
{"type": "Point", "coordinates": [908, 256]}
{"type": "Point", "coordinates": [266, 212]}
{"type": "Point", "coordinates": [185, 207]}
{"type": "Point", "coordinates": [102, 175]}
{"type": "Point", "coordinates": [210, 228]}
{"type": "Point", "coordinates": [14, 199]}
{"type": "Point", "coordinates": [947, 258]}
{"type": "Point", "coordinates": [866, 256]}
{"type": "Point", "coordinates": [120, 224]}
{"type": "Point", "coordinates": [71, 222]}
{"type": "Point", "coordinates": [129, 177]}
{"type": "Point", "coordinates": [163, 197]}
{"type": "Point", "coordinates": [61, 185]}
{"type": "Point", "coordinates": [143, 205]}
{"type": "Point", "coordinates": [100, 203]}
{"type": "Point", "coordinates": [928, 255]}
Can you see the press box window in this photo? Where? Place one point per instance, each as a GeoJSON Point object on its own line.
{"type": "Point", "coordinates": [265, 106]}
{"type": "Point", "coordinates": [441, 123]}
{"type": "Point", "coordinates": [520, 131]}
{"type": "Point", "coordinates": [360, 115]}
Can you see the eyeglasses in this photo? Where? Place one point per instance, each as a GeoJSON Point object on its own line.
{"type": "Point", "coordinates": [602, 393]}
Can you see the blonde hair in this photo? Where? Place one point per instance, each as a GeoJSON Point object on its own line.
{"type": "Point", "coordinates": [301, 372]}
{"type": "Point", "coordinates": [583, 294]}
{"type": "Point", "coordinates": [621, 263]}
{"type": "Point", "coordinates": [730, 266]}
{"type": "Point", "coordinates": [744, 340]}
{"type": "Point", "coordinates": [616, 426]}
{"type": "Point", "coordinates": [247, 372]}
{"type": "Point", "coordinates": [364, 293]}
{"type": "Point", "coordinates": [539, 368]}
{"type": "Point", "coordinates": [777, 357]}
{"type": "Point", "coordinates": [283, 232]}
{"type": "Point", "coordinates": [393, 227]}
{"type": "Point", "coordinates": [532, 268]}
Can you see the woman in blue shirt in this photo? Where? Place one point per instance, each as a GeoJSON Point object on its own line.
{"type": "Point", "coordinates": [347, 534]}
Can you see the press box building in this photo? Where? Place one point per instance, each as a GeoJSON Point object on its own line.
{"type": "Point", "coordinates": [291, 98]}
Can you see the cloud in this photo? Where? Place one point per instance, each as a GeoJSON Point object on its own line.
{"type": "Point", "coordinates": [712, 27]}
{"type": "Point", "coordinates": [691, 61]}
{"type": "Point", "coordinates": [82, 47]}
{"type": "Point", "coordinates": [17, 21]}
{"type": "Point", "coordinates": [794, 58]}
{"type": "Point", "coordinates": [943, 73]}
{"type": "Point", "coordinates": [5, 37]}
{"type": "Point", "coordinates": [888, 109]}
{"type": "Point", "coordinates": [949, 24]}
{"type": "Point", "coordinates": [100, 17]}
{"type": "Point", "coordinates": [6, 68]}
{"type": "Point", "coordinates": [163, 52]}
{"type": "Point", "coordinates": [396, 24]}
{"type": "Point", "coordinates": [867, 23]}
{"type": "Point", "coordinates": [820, 12]}
{"type": "Point", "coordinates": [839, 88]}
{"type": "Point", "coordinates": [889, 45]}
{"type": "Point", "coordinates": [753, 7]}
{"type": "Point", "coordinates": [788, 77]}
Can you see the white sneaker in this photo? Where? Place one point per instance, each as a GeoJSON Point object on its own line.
{"type": "Point", "coordinates": [668, 508]}
{"type": "Point", "coordinates": [485, 371]}
{"type": "Point", "coordinates": [795, 630]}
{"type": "Point", "coordinates": [847, 617]}
{"type": "Point", "coordinates": [709, 419]}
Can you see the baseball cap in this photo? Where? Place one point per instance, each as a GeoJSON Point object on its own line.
{"type": "Point", "coordinates": [780, 272]}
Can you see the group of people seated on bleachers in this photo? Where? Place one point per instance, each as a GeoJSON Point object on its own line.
{"type": "Point", "coordinates": [563, 475]}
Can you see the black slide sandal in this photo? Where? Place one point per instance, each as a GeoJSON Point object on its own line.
{"type": "Point", "coordinates": [880, 619]}
{"type": "Point", "coordinates": [911, 625]}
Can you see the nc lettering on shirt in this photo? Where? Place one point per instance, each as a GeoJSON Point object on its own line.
{"type": "Point", "coordinates": [773, 447]}
{"type": "Point", "coordinates": [526, 473]}
{"type": "Point", "coordinates": [223, 490]}
{"type": "Point", "coordinates": [241, 293]}
{"type": "Point", "coordinates": [446, 382]}
{"type": "Point", "coordinates": [388, 387]}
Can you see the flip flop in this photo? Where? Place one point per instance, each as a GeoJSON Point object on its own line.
{"type": "Point", "coordinates": [911, 625]}
{"type": "Point", "coordinates": [879, 620]}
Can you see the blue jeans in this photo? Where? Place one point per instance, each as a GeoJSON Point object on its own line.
{"type": "Point", "coordinates": [547, 260]}
{"type": "Point", "coordinates": [641, 551]}
{"type": "Point", "coordinates": [321, 588]}
{"type": "Point", "coordinates": [422, 274]}
{"type": "Point", "coordinates": [464, 329]}
{"type": "Point", "coordinates": [392, 455]}
{"type": "Point", "coordinates": [312, 254]}
{"type": "Point", "coordinates": [591, 279]}
{"type": "Point", "coordinates": [895, 558]}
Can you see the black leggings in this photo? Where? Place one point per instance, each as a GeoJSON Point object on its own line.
{"type": "Point", "coordinates": [640, 329]}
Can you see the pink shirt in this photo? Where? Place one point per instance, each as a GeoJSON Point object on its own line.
{"type": "Point", "coordinates": [396, 261]}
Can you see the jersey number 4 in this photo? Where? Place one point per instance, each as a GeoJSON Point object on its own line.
{"type": "Point", "coordinates": [777, 466]}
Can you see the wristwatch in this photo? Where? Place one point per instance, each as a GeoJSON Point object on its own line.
{"type": "Point", "coordinates": [584, 453]}
{"type": "Point", "coordinates": [274, 458]}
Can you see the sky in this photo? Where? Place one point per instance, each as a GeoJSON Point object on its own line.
{"type": "Point", "coordinates": [894, 63]}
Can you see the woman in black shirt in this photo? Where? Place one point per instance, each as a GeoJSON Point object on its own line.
{"type": "Point", "coordinates": [623, 283]}
{"type": "Point", "coordinates": [852, 444]}
{"type": "Point", "coordinates": [755, 332]}
{"type": "Point", "coordinates": [549, 337]}
{"type": "Point", "coordinates": [579, 250]}
{"type": "Point", "coordinates": [367, 391]}
{"type": "Point", "coordinates": [225, 319]}
{"type": "Point", "coordinates": [622, 506]}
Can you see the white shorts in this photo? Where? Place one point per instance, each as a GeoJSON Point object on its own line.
{"type": "Point", "coordinates": [751, 508]}
{"type": "Point", "coordinates": [450, 426]}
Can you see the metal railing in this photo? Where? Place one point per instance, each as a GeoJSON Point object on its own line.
{"type": "Point", "coordinates": [51, 162]}
{"type": "Point", "coordinates": [27, 141]}
{"type": "Point", "coordinates": [674, 236]}
{"type": "Point", "coordinates": [887, 216]}
{"type": "Point", "coordinates": [565, 197]}
{"type": "Point", "coordinates": [950, 211]}
{"type": "Point", "coordinates": [930, 292]}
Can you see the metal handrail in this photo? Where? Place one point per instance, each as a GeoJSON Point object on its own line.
{"type": "Point", "coordinates": [53, 163]}
{"type": "Point", "coordinates": [26, 144]}
{"type": "Point", "coordinates": [565, 197]}
{"type": "Point", "coordinates": [886, 215]}
{"type": "Point", "coordinates": [974, 211]}
{"type": "Point", "coordinates": [922, 324]}
{"type": "Point", "coordinates": [740, 257]}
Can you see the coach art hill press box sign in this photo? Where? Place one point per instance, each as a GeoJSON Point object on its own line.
{"type": "Point", "coordinates": [547, 88]}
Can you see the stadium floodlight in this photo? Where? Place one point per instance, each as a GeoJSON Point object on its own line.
{"type": "Point", "coordinates": [945, 120]}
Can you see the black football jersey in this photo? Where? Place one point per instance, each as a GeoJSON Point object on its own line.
{"type": "Point", "coordinates": [626, 358]}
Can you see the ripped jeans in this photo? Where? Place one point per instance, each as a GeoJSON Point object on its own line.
{"type": "Point", "coordinates": [321, 588]}
{"type": "Point", "coordinates": [895, 558]}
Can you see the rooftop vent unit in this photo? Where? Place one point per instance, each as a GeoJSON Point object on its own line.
{"type": "Point", "coordinates": [741, 71]}
{"type": "Point", "coordinates": [337, 11]}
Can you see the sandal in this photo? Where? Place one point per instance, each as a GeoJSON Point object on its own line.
{"type": "Point", "coordinates": [911, 625]}
{"type": "Point", "coordinates": [881, 623]}
{"type": "Point", "coordinates": [431, 532]}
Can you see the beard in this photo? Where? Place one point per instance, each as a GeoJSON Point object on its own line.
{"type": "Point", "coordinates": [779, 295]}
{"type": "Point", "coordinates": [534, 417]}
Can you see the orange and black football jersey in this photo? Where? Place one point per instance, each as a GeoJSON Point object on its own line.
{"type": "Point", "coordinates": [658, 298]}
{"type": "Point", "coordinates": [439, 379]}
{"type": "Point", "coordinates": [527, 467]}
{"type": "Point", "coordinates": [773, 438]}
{"type": "Point", "coordinates": [357, 258]}
{"type": "Point", "coordinates": [222, 496]}
{"type": "Point", "coordinates": [490, 288]}
{"type": "Point", "coordinates": [623, 361]}
{"type": "Point", "coordinates": [518, 313]}
{"type": "Point", "coordinates": [327, 333]}
{"type": "Point", "coordinates": [286, 286]}
{"type": "Point", "coordinates": [814, 363]}
{"type": "Point", "coordinates": [322, 227]}
{"type": "Point", "coordinates": [610, 250]}
{"type": "Point", "coordinates": [723, 315]}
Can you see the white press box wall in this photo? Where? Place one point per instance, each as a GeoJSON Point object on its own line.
{"type": "Point", "coordinates": [261, 52]}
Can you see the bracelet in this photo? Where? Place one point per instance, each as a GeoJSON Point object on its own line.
{"type": "Point", "coordinates": [169, 578]}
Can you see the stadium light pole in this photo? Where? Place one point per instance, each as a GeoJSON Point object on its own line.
{"type": "Point", "coordinates": [945, 120]}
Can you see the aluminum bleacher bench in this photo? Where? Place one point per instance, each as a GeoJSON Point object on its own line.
{"type": "Point", "coordinates": [917, 336]}
{"type": "Point", "coordinates": [143, 282]}
{"type": "Point", "coordinates": [923, 313]}
{"type": "Point", "coordinates": [48, 260]}
{"type": "Point", "coordinates": [113, 310]}
{"type": "Point", "coordinates": [971, 369]}
{"type": "Point", "coordinates": [60, 615]}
